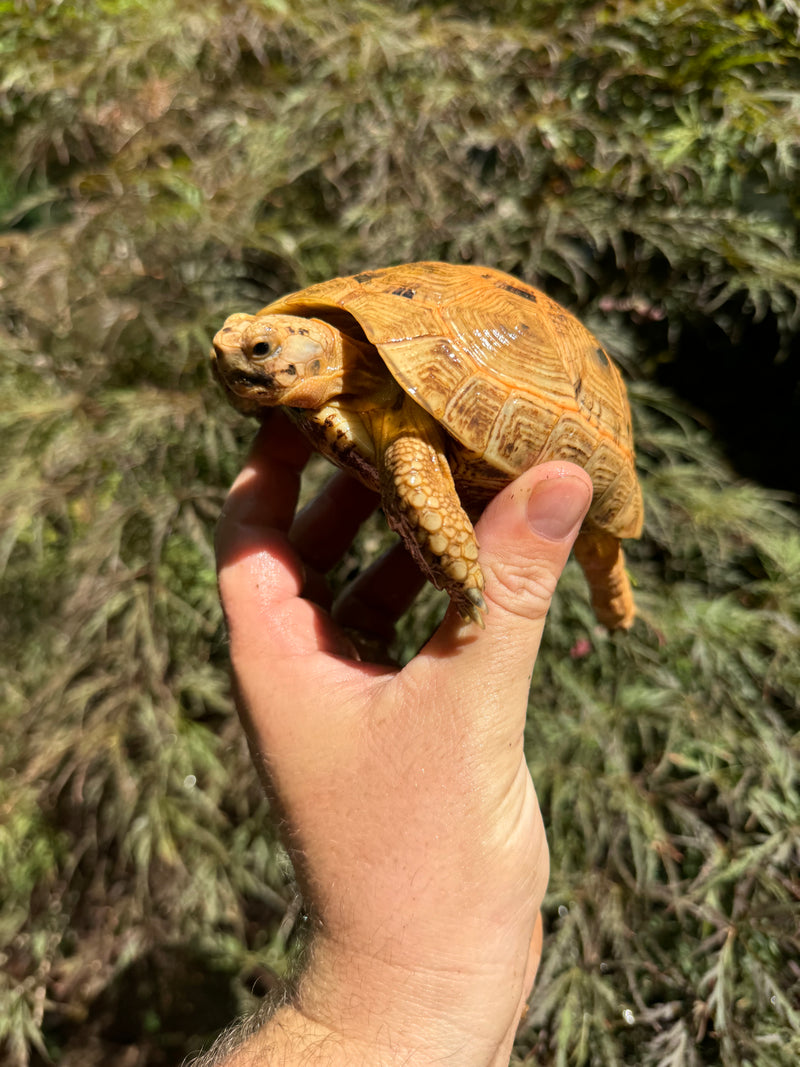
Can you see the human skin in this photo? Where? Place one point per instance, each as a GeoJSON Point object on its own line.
{"type": "Point", "coordinates": [404, 794]}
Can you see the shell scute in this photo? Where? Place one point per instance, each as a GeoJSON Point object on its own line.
{"type": "Point", "coordinates": [570, 439]}
{"type": "Point", "coordinates": [473, 408]}
{"type": "Point", "coordinates": [431, 369]}
{"type": "Point", "coordinates": [519, 433]}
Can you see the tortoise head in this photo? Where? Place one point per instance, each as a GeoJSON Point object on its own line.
{"type": "Point", "coordinates": [265, 360]}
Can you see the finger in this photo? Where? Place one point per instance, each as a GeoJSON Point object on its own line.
{"type": "Point", "coordinates": [261, 577]}
{"type": "Point", "coordinates": [325, 528]}
{"type": "Point", "coordinates": [265, 491]}
{"type": "Point", "coordinates": [525, 537]}
{"type": "Point", "coordinates": [378, 597]}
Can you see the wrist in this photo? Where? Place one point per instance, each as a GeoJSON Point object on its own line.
{"type": "Point", "coordinates": [359, 1013]}
{"type": "Point", "coordinates": [291, 1038]}
{"type": "Point", "coordinates": [376, 1013]}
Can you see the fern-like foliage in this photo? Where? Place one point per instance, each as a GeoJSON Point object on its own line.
{"type": "Point", "coordinates": [163, 165]}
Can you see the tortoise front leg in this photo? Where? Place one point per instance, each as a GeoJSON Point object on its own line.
{"type": "Point", "coordinates": [600, 555]}
{"type": "Point", "coordinates": [421, 503]}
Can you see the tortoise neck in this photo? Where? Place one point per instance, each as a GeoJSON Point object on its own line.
{"type": "Point", "coordinates": [365, 377]}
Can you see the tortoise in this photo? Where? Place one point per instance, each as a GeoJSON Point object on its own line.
{"type": "Point", "coordinates": [438, 384]}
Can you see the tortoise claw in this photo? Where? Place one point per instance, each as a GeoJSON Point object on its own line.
{"type": "Point", "coordinates": [475, 609]}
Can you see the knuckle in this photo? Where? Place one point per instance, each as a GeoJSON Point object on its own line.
{"type": "Point", "coordinates": [524, 587]}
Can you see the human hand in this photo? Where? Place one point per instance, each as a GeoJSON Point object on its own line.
{"type": "Point", "coordinates": [405, 797]}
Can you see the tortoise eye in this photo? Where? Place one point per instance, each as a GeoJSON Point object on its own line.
{"type": "Point", "coordinates": [261, 348]}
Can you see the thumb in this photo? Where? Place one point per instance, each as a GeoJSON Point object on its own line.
{"type": "Point", "coordinates": [525, 537]}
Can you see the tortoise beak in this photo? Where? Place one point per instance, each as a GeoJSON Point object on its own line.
{"type": "Point", "coordinates": [247, 389]}
{"type": "Point", "coordinates": [229, 359]}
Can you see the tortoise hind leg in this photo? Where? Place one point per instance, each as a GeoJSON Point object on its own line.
{"type": "Point", "coordinates": [421, 503]}
{"type": "Point", "coordinates": [600, 555]}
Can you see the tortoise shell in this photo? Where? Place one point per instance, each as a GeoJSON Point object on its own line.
{"type": "Point", "coordinates": [511, 375]}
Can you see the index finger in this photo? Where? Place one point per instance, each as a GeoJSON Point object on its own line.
{"type": "Point", "coordinates": [261, 576]}
{"type": "Point", "coordinates": [264, 495]}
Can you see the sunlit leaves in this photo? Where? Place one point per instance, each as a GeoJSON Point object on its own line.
{"type": "Point", "coordinates": [163, 165]}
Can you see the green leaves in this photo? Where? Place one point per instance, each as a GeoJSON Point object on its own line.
{"type": "Point", "coordinates": [162, 166]}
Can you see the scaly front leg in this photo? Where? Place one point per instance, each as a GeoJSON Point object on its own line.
{"type": "Point", "coordinates": [422, 505]}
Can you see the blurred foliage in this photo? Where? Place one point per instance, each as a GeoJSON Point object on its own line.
{"type": "Point", "coordinates": [163, 165]}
